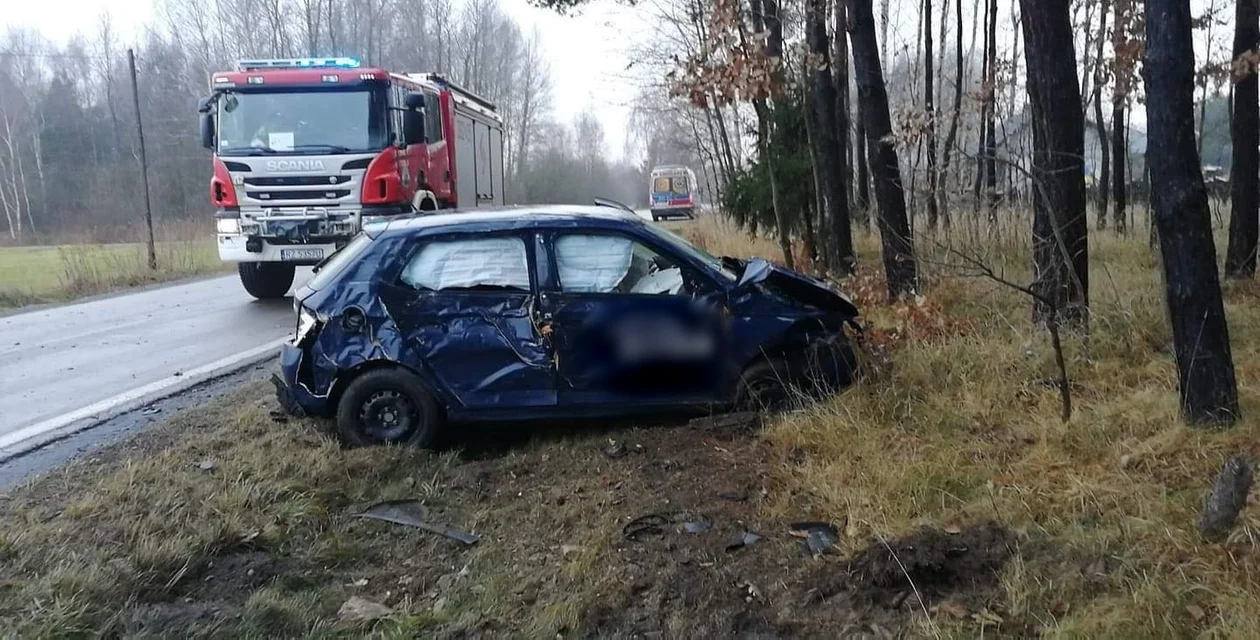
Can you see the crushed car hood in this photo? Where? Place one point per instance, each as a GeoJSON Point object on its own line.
{"type": "Point", "coordinates": [797, 286]}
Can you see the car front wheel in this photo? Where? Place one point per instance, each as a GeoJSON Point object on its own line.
{"type": "Point", "coordinates": [763, 386]}
{"type": "Point", "coordinates": [388, 406]}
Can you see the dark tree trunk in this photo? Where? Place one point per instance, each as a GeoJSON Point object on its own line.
{"type": "Point", "coordinates": [900, 265]}
{"type": "Point", "coordinates": [1104, 173]}
{"type": "Point", "coordinates": [951, 136]}
{"type": "Point", "coordinates": [1205, 368]}
{"type": "Point", "coordinates": [929, 106]}
{"type": "Point", "coordinates": [840, 61]}
{"type": "Point", "coordinates": [982, 147]}
{"type": "Point", "coordinates": [765, 15]}
{"type": "Point", "coordinates": [1119, 177]}
{"type": "Point", "coordinates": [1244, 128]}
{"type": "Point", "coordinates": [1120, 92]}
{"type": "Point", "coordinates": [862, 202]}
{"type": "Point", "coordinates": [839, 239]}
{"type": "Point", "coordinates": [990, 123]}
{"type": "Point", "coordinates": [1060, 228]}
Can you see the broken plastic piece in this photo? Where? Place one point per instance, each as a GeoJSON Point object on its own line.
{"type": "Point", "coordinates": [654, 524]}
{"type": "Point", "coordinates": [744, 539]}
{"type": "Point", "coordinates": [410, 513]}
{"type": "Point", "coordinates": [817, 537]}
{"type": "Point", "coordinates": [698, 526]}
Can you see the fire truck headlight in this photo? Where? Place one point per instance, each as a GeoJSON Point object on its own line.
{"type": "Point", "coordinates": [229, 226]}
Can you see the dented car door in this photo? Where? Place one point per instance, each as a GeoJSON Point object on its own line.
{"type": "Point", "coordinates": [625, 326]}
{"type": "Point", "coordinates": [466, 306]}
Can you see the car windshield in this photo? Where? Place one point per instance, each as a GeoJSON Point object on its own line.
{"type": "Point", "coordinates": [681, 245]}
{"type": "Point", "coordinates": [336, 263]}
{"type": "Point", "coordinates": [301, 122]}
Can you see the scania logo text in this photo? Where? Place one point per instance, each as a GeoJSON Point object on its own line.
{"type": "Point", "coordinates": [295, 165]}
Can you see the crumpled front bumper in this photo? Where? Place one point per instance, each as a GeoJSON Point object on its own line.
{"type": "Point", "coordinates": [294, 397]}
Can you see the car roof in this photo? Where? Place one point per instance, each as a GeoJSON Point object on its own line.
{"type": "Point", "coordinates": [511, 217]}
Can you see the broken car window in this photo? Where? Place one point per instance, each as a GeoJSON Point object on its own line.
{"type": "Point", "coordinates": [614, 264]}
{"type": "Point", "coordinates": [474, 263]}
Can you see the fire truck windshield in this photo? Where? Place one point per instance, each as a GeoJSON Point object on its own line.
{"type": "Point", "coordinates": [301, 122]}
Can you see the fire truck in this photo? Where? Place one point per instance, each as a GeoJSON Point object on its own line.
{"type": "Point", "coordinates": [306, 151]}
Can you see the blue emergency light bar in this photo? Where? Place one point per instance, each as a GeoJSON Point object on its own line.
{"type": "Point", "coordinates": [298, 63]}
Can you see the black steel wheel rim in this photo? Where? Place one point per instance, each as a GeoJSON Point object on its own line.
{"type": "Point", "coordinates": [389, 416]}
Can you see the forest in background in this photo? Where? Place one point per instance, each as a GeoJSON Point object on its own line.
{"type": "Point", "coordinates": [68, 144]}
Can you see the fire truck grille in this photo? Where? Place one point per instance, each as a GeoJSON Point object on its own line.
{"type": "Point", "coordinates": [274, 196]}
{"type": "Point", "coordinates": [296, 181]}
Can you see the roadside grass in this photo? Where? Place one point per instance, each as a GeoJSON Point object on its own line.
{"type": "Point", "coordinates": [42, 274]}
{"type": "Point", "coordinates": [224, 522]}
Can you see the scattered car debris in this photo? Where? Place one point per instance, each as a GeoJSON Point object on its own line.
{"type": "Point", "coordinates": [411, 514]}
{"type": "Point", "coordinates": [698, 526]}
{"type": "Point", "coordinates": [208, 465]}
{"type": "Point", "coordinates": [750, 590]}
{"type": "Point", "coordinates": [744, 539]}
{"type": "Point", "coordinates": [614, 450]}
{"type": "Point", "coordinates": [656, 524]}
{"type": "Point", "coordinates": [149, 411]}
{"type": "Point", "coordinates": [358, 609]}
{"type": "Point", "coordinates": [1228, 496]}
{"type": "Point", "coordinates": [817, 537]}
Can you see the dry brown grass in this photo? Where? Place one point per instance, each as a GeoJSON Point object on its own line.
{"type": "Point", "coordinates": [956, 427]}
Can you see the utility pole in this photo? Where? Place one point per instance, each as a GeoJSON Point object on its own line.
{"type": "Point", "coordinates": [144, 162]}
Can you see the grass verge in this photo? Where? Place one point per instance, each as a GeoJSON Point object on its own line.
{"type": "Point", "coordinates": [42, 274]}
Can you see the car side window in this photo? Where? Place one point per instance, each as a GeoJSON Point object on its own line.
{"type": "Point", "coordinates": [469, 264]}
{"type": "Point", "coordinates": [604, 263]}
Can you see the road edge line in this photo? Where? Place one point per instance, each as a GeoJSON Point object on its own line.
{"type": "Point", "coordinates": [37, 435]}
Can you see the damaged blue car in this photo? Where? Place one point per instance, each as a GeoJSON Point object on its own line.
{"type": "Point", "coordinates": [550, 312]}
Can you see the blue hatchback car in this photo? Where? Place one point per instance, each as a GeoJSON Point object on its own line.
{"type": "Point", "coordinates": [549, 312]}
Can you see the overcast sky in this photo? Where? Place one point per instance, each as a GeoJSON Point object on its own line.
{"type": "Point", "coordinates": [586, 51]}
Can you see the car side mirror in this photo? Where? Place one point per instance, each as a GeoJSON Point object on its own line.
{"type": "Point", "coordinates": [206, 126]}
{"type": "Point", "coordinates": [413, 127]}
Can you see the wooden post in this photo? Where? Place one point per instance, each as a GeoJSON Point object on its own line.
{"type": "Point", "coordinates": [144, 162]}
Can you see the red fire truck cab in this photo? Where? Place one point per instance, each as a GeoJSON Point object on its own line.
{"type": "Point", "coordinates": [307, 150]}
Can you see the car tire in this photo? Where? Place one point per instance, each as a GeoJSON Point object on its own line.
{"type": "Point", "coordinates": [266, 280]}
{"type": "Point", "coordinates": [388, 406]}
{"type": "Point", "coordinates": [833, 365]}
{"type": "Point", "coordinates": [763, 385]}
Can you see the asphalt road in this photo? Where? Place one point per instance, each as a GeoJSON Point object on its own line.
{"type": "Point", "coordinates": [57, 360]}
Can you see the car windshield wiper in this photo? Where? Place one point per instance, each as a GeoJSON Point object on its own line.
{"type": "Point", "coordinates": [332, 148]}
{"type": "Point", "coordinates": [250, 151]}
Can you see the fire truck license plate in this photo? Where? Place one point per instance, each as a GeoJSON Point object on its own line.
{"type": "Point", "coordinates": [301, 254]}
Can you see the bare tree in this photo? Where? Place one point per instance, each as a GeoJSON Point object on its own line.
{"type": "Point", "coordinates": [839, 240]}
{"type": "Point", "coordinates": [1244, 128]}
{"type": "Point", "coordinates": [900, 265]}
{"type": "Point", "coordinates": [1060, 246]}
{"type": "Point", "coordinates": [1205, 366]}
{"type": "Point", "coordinates": [929, 107]}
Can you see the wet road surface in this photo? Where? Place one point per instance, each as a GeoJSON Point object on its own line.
{"type": "Point", "coordinates": [56, 360]}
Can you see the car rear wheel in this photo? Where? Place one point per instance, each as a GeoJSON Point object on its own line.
{"type": "Point", "coordinates": [266, 280]}
{"type": "Point", "coordinates": [764, 385]}
{"type": "Point", "coordinates": [387, 406]}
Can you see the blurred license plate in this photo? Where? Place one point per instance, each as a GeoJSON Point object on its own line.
{"type": "Point", "coordinates": [301, 254]}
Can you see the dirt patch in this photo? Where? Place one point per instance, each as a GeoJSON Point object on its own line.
{"type": "Point", "coordinates": [928, 572]}
{"type": "Point", "coordinates": [934, 562]}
